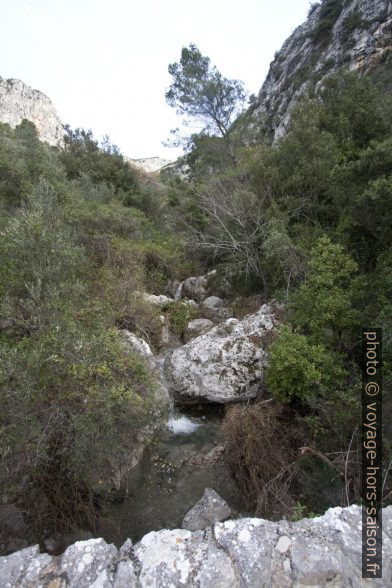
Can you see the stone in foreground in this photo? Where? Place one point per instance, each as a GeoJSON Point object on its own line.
{"type": "Point", "coordinates": [210, 509]}
{"type": "Point", "coordinates": [243, 553]}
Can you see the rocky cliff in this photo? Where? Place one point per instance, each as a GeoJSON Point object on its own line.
{"type": "Point", "coordinates": [19, 101]}
{"type": "Point", "coordinates": [338, 34]}
{"type": "Point", "coordinates": [150, 164]}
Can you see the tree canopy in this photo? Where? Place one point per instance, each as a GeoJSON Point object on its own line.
{"type": "Point", "coordinates": [201, 94]}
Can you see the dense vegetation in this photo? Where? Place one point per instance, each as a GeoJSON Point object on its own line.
{"type": "Point", "coordinates": [306, 222]}
{"type": "Point", "coordinates": [81, 232]}
{"type": "Point", "coordinates": [329, 13]}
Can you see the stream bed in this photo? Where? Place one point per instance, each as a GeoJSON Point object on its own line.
{"type": "Point", "coordinates": [171, 477]}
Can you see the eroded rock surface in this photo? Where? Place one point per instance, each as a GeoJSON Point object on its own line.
{"type": "Point", "coordinates": [359, 39]}
{"type": "Point", "coordinates": [250, 552]}
{"type": "Point", "coordinates": [210, 509]}
{"type": "Point", "coordinates": [198, 327]}
{"type": "Point", "coordinates": [223, 365]}
{"type": "Point", "coordinates": [19, 101]}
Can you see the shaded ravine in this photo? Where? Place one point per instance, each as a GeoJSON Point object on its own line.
{"type": "Point", "coordinates": [175, 469]}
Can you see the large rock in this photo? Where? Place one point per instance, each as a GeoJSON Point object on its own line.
{"type": "Point", "coordinates": [170, 558]}
{"type": "Point", "coordinates": [149, 164]}
{"type": "Point", "coordinates": [224, 365]}
{"type": "Point", "coordinates": [210, 509]}
{"type": "Point", "coordinates": [24, 568]}
{"type": "Point", "coordinates": [245, 553]}
{"type": "Point", "coordinates": [136, 344]}
{"type": "Point", "coordinates": [194, 288]}
{"type": "Point", "coordinates": [214, 308]}
{"type": "Point", "coordinates": [198, 327]}
{"type": "Point", "coordinates": [159, 300]}
{"type": "Point", "coordinates": [87, 563]}
{"type": "Point", "coordinates": [200, 287]}
{"type": "Point", "coordinates": [19, 101]}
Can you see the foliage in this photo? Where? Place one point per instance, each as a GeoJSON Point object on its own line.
{"type": "Point", "coordinates": [322, 305]}
{"type": "Point", "coordinates": [312, 8]}
{"type": "Point", "coordinates": [329, 13]}
{"type": "Point", "coordinates": [82, 154]}
{"type": "Point", "coordinates": [301, 511]}
{"type": "Point", "coordinates": [307, 221]}
{"type": "Point", "coordinates": [42, 264]}
{"type": "Point", "coordinates": [301, 371]}
{"type": "Point", "coordinates": [352, 22]}
{"type": "Point", "coordinates": [260, 452]}
{"type": "Point", "coordinates": [74, 407]}
{"type": "Point", "coordinates": [199, 91]}
{"type": "Point", "coordinates": [179, 314]}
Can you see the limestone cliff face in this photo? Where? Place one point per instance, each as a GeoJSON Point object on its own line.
{"type": "Point", "coordinates": [149, 164]}
{"type": "Point", "coordinates": [19, 101]}
{"type": "Point", "coordinates": [338, 34]}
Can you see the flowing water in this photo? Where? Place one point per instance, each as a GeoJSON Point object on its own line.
{"type": "Point", "coordinates": [172, 475]}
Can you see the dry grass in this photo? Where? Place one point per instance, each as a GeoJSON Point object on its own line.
{"type": "Point", "coordinates": [261, 451]}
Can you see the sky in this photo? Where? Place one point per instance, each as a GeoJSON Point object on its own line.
{"type": "Point", "coordinates": [104, 64]}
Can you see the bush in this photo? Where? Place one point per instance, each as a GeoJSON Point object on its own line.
{"type": "Point", "coordinates": [179, 315]}
{"type": "Point", "coordinates": [82, 154]}
{"type": "Point", "coordinates": [312, 8]}
{"type": "Point", "coordinates": [329, 13]}
{"type": "Point", "coordinates": [322, 305]}
{"type": "Point", "coordinates": [301, 371]}
{"type": "Point", "coordinates": [261, 446]}
{"type": "Point", "coordinates": [42, 265]}
{"type": "Point", "coordinates": [73, 406]}
{"type": "Point", "coordinates": [352, 22]}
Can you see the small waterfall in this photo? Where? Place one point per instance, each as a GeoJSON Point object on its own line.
{"type": "Point", "coordinates": [177, 423]}
{"type": "Point", "coordinates": [178, 294]}
{"type": "Point", "coordinates": [182, 425]}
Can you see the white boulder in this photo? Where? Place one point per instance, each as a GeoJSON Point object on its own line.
{"type": "Point", "coordinates": [225, 364]}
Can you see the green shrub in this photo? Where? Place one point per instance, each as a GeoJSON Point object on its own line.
{"type": "Point", "coordinates": [329, 13]}
{"type": "Point", "coordinates": [179, 315]}
{"type": "Point", "coordinates": [301, 371]}
{"type": "Point", "coordinates": [352, 22]}
{"type": "Point", "coordinates": [42, 265]}
{"type": "Point", "coordinates": [323, 304]}
{"type": "Point", "coordinates": [104, 163]}
{"type": "Point", "coordinates": [313, 7]}
{"type": "Point", "coordinates": [73, 406]}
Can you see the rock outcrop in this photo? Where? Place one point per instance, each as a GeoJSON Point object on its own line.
{"type": "Point", "coordinates": [338, 35]}
{"type": "Point", "coordinates": [149, 164]}
{"type": "Point", "coordinates": [223, 365]}
{"type": "Point", "coordinates": [198, 288]}
{"type": "Point", "coordinates": [214, 309]}
{"type": "Point", "coordinates": [18, 101]}
{"type": "Point", "coordinates": [242, 553]}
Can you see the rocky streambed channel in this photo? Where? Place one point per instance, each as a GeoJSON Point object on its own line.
{"type": "Point", "coordinates": [220, 360]}
{"type": "Point", "coordinates": [180, 520]}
